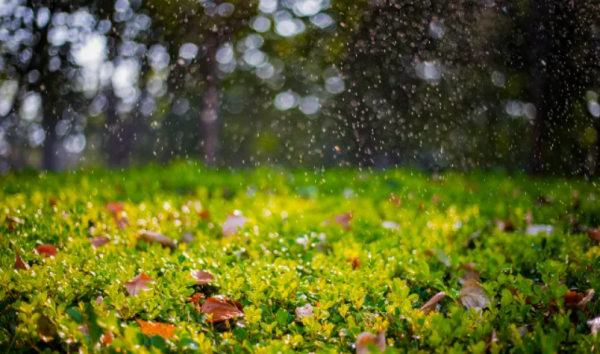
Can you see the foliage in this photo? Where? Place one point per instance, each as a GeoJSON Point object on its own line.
{"type": "Point", "coordinates": [451, 278]}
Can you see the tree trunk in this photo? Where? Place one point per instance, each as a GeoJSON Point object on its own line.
{"type": "Point", "coordinates": [209, 115]}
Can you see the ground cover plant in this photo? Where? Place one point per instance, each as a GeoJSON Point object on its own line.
{"type": "Point", "coordinates": [188, 259]}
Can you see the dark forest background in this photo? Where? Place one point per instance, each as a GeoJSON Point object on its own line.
{"type": "Point", "coordinates": [449, 84]}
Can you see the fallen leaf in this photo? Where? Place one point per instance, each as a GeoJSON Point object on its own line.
{"type": "Point", "coordinates": [354, 261]}
{"type": "Point", "coordinates": [572, 297]}
{"type": "Point", "coordinates": [366, 341]}
{"type": "Point", "coordinates": [394, 199]}
{"type": "Point", "coordinates": [343, 220]}
{"type": "Point", "coordinates": [304, 311]}
{"type": "Point", "coordinates": [594, 234]}
{"type": "Point", "coordinates": [588, 297]}
{"type": "Point", "coordinates": [19, 264]}
{"type": "Point", "coordinates": [471, 295]}
{"type": "Point", "coordinates": [470, 273]}
{"type": "Point", "coordinates": [152, 329]}
{"type": "Point", "coordinates": [107, 338]}
{"type": "Point", "coordinates": [155, 237]}
{"type": "Point", "coordinates": [114, 208]}
{"type": "Point", "coordinates": [195, 299]}
{"type": "Point", "coordinates": [427, 308]}
{"type": "Point", "coordinates": [204, 215]}
{"type": "Point", "coordinates": [135, 285]}
{"type": "Point", "coordinates": [594, 325]}
{"type": "Point", "coordinates": [221, 309]}
{"type": "Point", "coordinates": [99, 241]}
{"type": "Point", "coordinates": [202, 277]}
{"type": "Point", "coordinates": [232, 224]}
{"type": "Point", "coordinates": [47, 250]}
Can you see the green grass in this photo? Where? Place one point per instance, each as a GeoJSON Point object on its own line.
{"type": "Point", "coordinates": [288, 255]}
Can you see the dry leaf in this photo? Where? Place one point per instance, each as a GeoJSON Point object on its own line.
{"type": "Point", "coordinates": [304, 311]}
{"type": "Point", "coordinates": [202, 277]}
{"type": "Point", "coordinates": [573, 297]}
{"type": "Point", "coordinates": [471, 295]}
{"type": "Point", "coordinates": [135, 285]}
{"type": "Point", "coordinates": [366, 341]}
{"type": "Point", "coordinates": [343, 220]}
{"type": "Point", "coordinates": [427, 308]}
{"type": "Point", "coordinates": [151, 329]}
{"type": "Point", "coordinates": [588, 297]}
{"type": "Point", "coordinates": [594, 234]}
{"type": "Point", "coordinates": [19, 264]}
{"type": "Point", "coordinates": [204, 215]}
{"type": "Point", "coordinates": [47, 250]}
{"type": "Point", "coordinates": [594, 325]}
{"type": "Point", "coordinates": [221, 309]}
{"type": "Point", "coordinates": [355, 263]}
{"type": "Point", "coordinates": [470, 272]}
{"type": "Point", "coordinates": [99, 241]}
{"type": "Point", "coordinates": [107, 338]}
{"type": "Point", "coordinates": [195, 299]}
{"type": "Point", "coordinates": [232, 224]}
{"type": "Point", "coordinates": [155, 237]}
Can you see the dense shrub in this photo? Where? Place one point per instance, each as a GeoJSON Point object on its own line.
{"type": "Point", "coordinates": [320, 258]}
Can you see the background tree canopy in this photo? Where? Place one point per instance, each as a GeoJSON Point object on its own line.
{"type": "Point", "coordinates": [456, 84]}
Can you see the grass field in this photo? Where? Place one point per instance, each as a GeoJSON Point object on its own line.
{"type": "Point", "coordinates": [178, 258]}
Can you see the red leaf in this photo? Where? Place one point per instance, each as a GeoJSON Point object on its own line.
{"type": "Point", "coordinates": [222, 309]}
{"type": "Point", "coordinates": [152, 329]}
{"type": "Point", "coordinates": [195, 299]}
{"type": "Point", "coordinates": [232, 224]}
{"type": "Point", "coordinates": [135, 285]}
{"type": "Point", "coordinates": [155, 237]}
{"type": "Point", "coordinates": [202, 277]}
{"type": "Point", "coordinates": [354, 261]}
{"type": "Point", "coordinates": [19, 264]}
{"type": "Point", "coordinates": [99, 241]}
{"type": "Point", "coordinates": [107, 338]}
{"type": "Point", "coordinates": [47, 250]}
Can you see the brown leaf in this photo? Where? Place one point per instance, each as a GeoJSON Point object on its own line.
{"type": "Point", "coordinates": [135, 285]}
{"type": "Point", "coordinates": [195, 299]}
{"type": "Point", "coordinates": [152, 329]}
{"type": "Point", "coordinates": [232, 224]}
{"type": "Point", "coordinates": [594, 325]}
{"type": "Point", "coordinates": [114, 208]}
{"type": "Point", "coordinates": [202, 277]}
{"type": "Point", "coordinates": [355, 263]}
{"type": "Point", "coordinates": [470, 272]}
{"type": "Point", "coordinates": [471, 295]}
{"type": "Point", "coordinates": [572, 297]}
{"type": "Point", "coordinates": [366, 341]}
{"type": "Point", "coordinates": [221, 309]}
{"type": "Point", "coordinates": [427, 308]}
{"type": "Point", "coordinates": [99, 241]}
{"type": "Point", "coordinates": [394, 199]}
{"type": "Point", "coordinates": [19, 264]}
{"type": "Point", "coordinates": [594, 234]}
{"type": "Point", "coordinates": [304, 311]}
{"type": "Point", "coordinates": [343, 220]}
{"type": "Point", "coordinates": [204, 215]}
{"type": "Point", "coordinates": [47, 250]}
{"type": "Point", "coordinates": [155, 237]}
